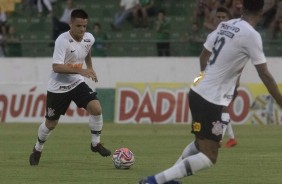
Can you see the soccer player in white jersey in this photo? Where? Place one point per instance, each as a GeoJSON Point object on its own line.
{"type": "Point", "coordinates": [235, 43]}
{"type": "Point", "coordinates": [223, 14]}
{"type": "Point", "coordinates": [66, 84]}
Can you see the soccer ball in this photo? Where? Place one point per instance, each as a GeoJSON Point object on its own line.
{"type": "Point", "coordinates": [123, 158]}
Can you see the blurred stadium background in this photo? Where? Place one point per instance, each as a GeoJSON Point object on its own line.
{"type": "Point", "coordinates": [35, 33]}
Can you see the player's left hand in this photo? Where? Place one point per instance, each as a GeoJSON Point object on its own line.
{"type": "Point", "coordinates": [199, 78]}
{"type": "Point", "coordinates": [92, 75]}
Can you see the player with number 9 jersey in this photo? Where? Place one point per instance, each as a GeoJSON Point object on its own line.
{"type": "Point", "coordinates": [224, 67]}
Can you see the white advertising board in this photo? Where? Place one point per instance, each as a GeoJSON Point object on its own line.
{"type": "Point", "coordinates": [23, 81]}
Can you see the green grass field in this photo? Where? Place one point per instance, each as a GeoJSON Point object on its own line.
{"type": "Point", "coordinates": [257, 159]}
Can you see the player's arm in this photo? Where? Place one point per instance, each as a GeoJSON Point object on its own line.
{"type": "Point", "coordinates": [269, 82]}
{"type": "Point", "coordinates": [204, 58]}
{"type": "Point", "coordinates": [255, 49]}
{"type": "Point", "coordinates": [65, 69]}
{"type": "Point", "coordinates": [88, 62]}
{"type": "Point", "coordinates": [207, 50]}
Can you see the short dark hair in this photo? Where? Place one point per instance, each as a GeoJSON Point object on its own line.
{"type": "Point", "coordinates": [224, 10]}
{"type": "Point", "coordinates": [162, 11]}
{"type": "Point", "coordinates": [253, 6]}
{"type": "Point", "coordinates": [79, 13]}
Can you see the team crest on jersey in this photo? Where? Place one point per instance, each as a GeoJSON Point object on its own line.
{"type": "Point", "coordinates": [70, 40]}
{"type": "Point", "coordinates": [196, 127]}
{"type": "Point", "coordinates": [87, 46]}
{"type": "Point", "coordinates": [217, 128]}
{"type": "Point", "coordinates": [86, 40]}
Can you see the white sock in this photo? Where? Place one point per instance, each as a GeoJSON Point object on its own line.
{"type": "Point", "coordinates": [190, 149]}
{"type": "Point", "coordinates": [199, 162]}
{"type": "Point", "coordinates": [186, 167]}
{"type": "Point", "coordinates": [224, 130]}
{"type": "Point", "coordinates": [43, 134]}
{"type": "Point", "coordinates": [230, 132]}
{"type": "Point", "coordinates": [225, 117]}
{"type": "Point", "coordinates": [95, 125]}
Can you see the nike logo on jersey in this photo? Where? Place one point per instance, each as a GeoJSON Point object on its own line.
{"type": "Point", "coordinates": [72, 51]}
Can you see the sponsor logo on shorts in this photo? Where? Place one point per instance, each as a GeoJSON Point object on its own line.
{"type": "Point", "coordinates": [197, 127]}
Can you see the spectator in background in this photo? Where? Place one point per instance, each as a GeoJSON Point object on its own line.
{"type": "Point", "coordinates": [210, 21]}
{"type": "Point", "coordinates": [204, 10]}
{"type": "Point", "coordinates": [29, 6]}
{"type": "Point", "coordinates": [62, 25]}
{"type": "Point", "coordinates": [2, 51]}
{"type": "Point", "coordinates": [3, 26]}
{"type": "Point", "coordinates": [226, 3]}
{"type": "Point", "coordinates": [199, 10]}
{"type": "Point", "coordinates": [222, 14]}
{"type": "Point", "coordinates": [128, 8]}
{"type": "Point", "coordinates": [279, 10]}
{"type": "Point", "coordinates": [3, 22]}
{"type": "Point", "coordinates": [235, 9]}
{"type": "Point", "coordinates": [210, 11]}
{"type": "Point", "coordinates": [195, 35]}
{"type": "Point", "coordinates": [99, 47]}
{"type": "Point", "coordinates": [146, 10]}
{"type": "Point", "coordinates": [12, 35]}
{"type": "Point", "coordinates": [269, 12]}
{"type": "Point", "coordinates": [277, 29]}
{"type": "Point", "coordinates": [195, 38]}
{"type": "Point", "coordinates": [12, 43]}
{"type": "Point", "coordinates": [47, 4]}
{"type": "Point", "coordinates": [162, 34]}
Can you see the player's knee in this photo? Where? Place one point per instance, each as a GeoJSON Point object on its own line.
{"type": "Point", "coordinates": [51, 124]}
{"type": "Point", "coordinates": [97, 112]}
{"type": "Point", "coordinates": [213, 158]}
{"type": "Point", "coordinates": [94, 109]}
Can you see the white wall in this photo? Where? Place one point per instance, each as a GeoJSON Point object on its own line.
{"type": "Point", "coordinates": [112, 70]}
{"type": "Point", "coordinates": [26, 79]}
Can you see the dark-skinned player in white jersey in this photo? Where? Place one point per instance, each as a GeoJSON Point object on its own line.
{"type": "Point", "coordinates": [223, 14]}
{"type": "Point", "coordinates": [66, 84]}
{"type": "Point", "coordinates": [235, 43]}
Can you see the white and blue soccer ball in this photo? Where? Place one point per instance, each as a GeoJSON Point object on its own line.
{"type": "Point", "coordinates": [123, 158]}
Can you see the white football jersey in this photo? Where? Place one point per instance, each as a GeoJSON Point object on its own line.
{"type": "Point", "coordinates": [67, 51]}
{"type": "Point", "coordinates": [232, 44]}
